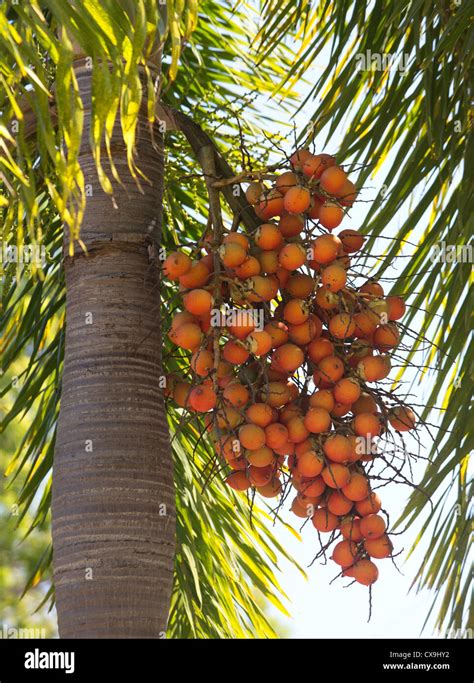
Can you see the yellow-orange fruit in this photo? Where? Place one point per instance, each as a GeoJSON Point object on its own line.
{"type": "Point", "coordinates": [345, 552]}
{"type": "Point", "coordinates": [301, 510]}
{"type": "Point", "coordinates": [181, 318]}
{"type": "Point", "coordinates": [366, 322]}
{"type": "Point", "coordinates": [236, 394]}
{"type": "Point", "coordinates": [337, 448]}
{"type": "Point", "coordinates": [300, 285]}
{"type": "Point", "coordinates": [238, 481]}
{"type": "Point", "coordinates": [259, 342]}
{"type": "Point", "coordinates": [292, 256]}
{"type": "Point", "coordinates": [347, 390]}
{"type": "Point", "coordinates": [235, 353]}
{"type": "Point", "coordinates": [314, 208]}
{"type": "Point", "coordinates": [380, 547]}
{"type": "Point", "coordinates": [396, 307]}
{"type": "Point", "coordinates": [244, 324]}
{"type": "Point", "coordinates": [350, 529]}
{"type": "Point", "coordinates": [290, 225]}
{"type": "Point", "coordinates": [298, 158]}
{"type": "Point", "coordinates": [276, 394]}
{"type": "Point", "coordinates": [259, 288]}
{"type": "Point", "coordinates": [268, 237]}
{"type": "Point", "coordinates": [364, 404]}
{"type": "Point", "coordinates": [236, 238]}
{"type": "Point", "coordinates": [276, 435]}
{"type": "Point", "coordinates": [176, 264]}
{"type": "Point", "coordinates": [254, 191]}
{"type": "Point", "coordinates": [340, 409]}
{"type": "Point", "coordinates": [317, 420]}
{"type": "Point", "coordinates": [366, 424]}
{"type": "Point", "coordinates": [288, 412]}
{"type": "Point", "coordinates": [334, 277]}
{"type": "Point", "coordinates": [303, 334]}
{"type": "Point", "coordinates": [260, 414]}
{"type": "Point", "coordinates": [269, 204]}
{"type": "Point", "coordinates": [228, 418]}
{"type": "Point", "coordinates": [203, 398]}
{"type": "Point", "coordinates": [297, 431]}
{"type": "Point", "coordinates": [287, 449]}
{"type": "Point", "coordinates": [357, 488]}
{"type": "Point", "coordinates": [293, 390]}
{"type": "Point", "coordinates": [289, 357]}
{"type": "Point", "coordinates": [333, 180]}
{"type": "Point", "coordinates": [336, 476]}
{"type": "Point", "coordinates": [370, 505]}
{"type": "Point", "coordinates": [268, 261]}
{"type": "Point", "coordinates": [348, 193]}
{"type": "Point", "coordinates": [251, 437]}
{"type": "Point", "coordinates": [296, 312]}
{"type": "Point", "coordinates": [342, 325]}
{"type": "Point", "coordinates": [286, 181]}
{"type": "Point", "coordinates": [372, 368]}
{"type": "Point", "coordinates": [259, 476]}
{"type": "Point", "coordinates": [314, 165]}
{"type": "Point", "coordinates": [402, 419]}
{"type": "Point", "coordinates": [322, 399]}
{"type": "Point", "coordinates": [326, 248]}
{"type": "Point", "coordinates": [297, 199]}
{"type": "Point", "coordinates": [372, 287]}
{"type": "Point", "coordinates": [326, 299]}
{"type": "Point", "coordinates": [187, 336]}
{"type": "Point", "coordinates": [313, 488]}
{"type": "Point", "coordinates": [261, 457]}
{"type": "Point", "coordinates": [365, 572]}
{"type": "Point", "coordinates": [351, 240]}
{"type": "Point", "coordinates": [324, 521]}
{"type": "Point", "coordinates": [181, 393]}
{"type": "Point", "coordinates": [320, 348]}
{"type": "Point", "coordinates": [249, 268]}
{"type": "Point", "coordinates": [278, 332]}
{"type": "Point", "coordinates": [338, 504]}
{"type": "Point", "coordinates": [386, 336]}
{"type": "Point", "coordinates": [197, 276]}
{"type": "Point", "coordinates": [310, 464]}
{"type": "Point", "coordinates": [202, 362]}
{"type": "Point", "coordinates": [372, 526]}
{"type": "Point", "coordinates": [330, 215]}
{"type": "Point", "coordinates": [270, 490]}
{"type": "Point", "coordinates": [330, 369]}
{"type": "Point", "coordinates": [198, 302]}
{"type": "Point", "coordinates": [228, 447]}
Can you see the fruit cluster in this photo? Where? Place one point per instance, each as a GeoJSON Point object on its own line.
{"type": "Point", "coordinates": [282, 351]}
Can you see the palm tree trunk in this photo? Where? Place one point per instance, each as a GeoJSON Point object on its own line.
{"type": "Point", "coordinates": [113, 513]}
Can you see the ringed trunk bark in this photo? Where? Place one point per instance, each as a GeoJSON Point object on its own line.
{"type": "Point", "coordinates": [113, 515]}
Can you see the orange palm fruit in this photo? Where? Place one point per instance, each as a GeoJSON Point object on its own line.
{"type": "Point", "coordinates": [261, 457]}
{"type": "Point", "coordinates": [196, 276]}
{"type": "Point", "coordinates": [333, 180]}
{"type": "Point", "coordinates": [268, 237]}
{"type": "Point", "coordinates": [269, 204]}
{"type": "Point", "coordinates": [348, 193]}
{"type": "Point", "coordinates": [342, 325]}
{"type": "Point", "coordinates": [236, 394]}
{"type": "Point", "coordinates": [202, 362]}
{"type": "Point", "coordinates": [297, 431]}
{"type": "Point", "coordinates": [232, 254]}
{"type": "Point", "coordinates": [290, 224]}
{"type": "Point", "coordinates": [330, 215]}
{"type": "Point", "coordinates": [357, 488]}
{"type": "Point", "coordinates": [351, 240]}
{"type": "Point", "coordinates": [238, 481]}
{"type": "Point", "coordinates": [249, 268]}
{"type": "Point", "coordinates": [326, 248]}
{"type": "Point", "coordinates": [402, 419]}
{"type": "Point", "coordinates": [260, 414]}
{"type": "Point", "coordinates": [317, 420]}
{"type": "Point", "coordinates": [372, 526]}
{"type": "Point", "coordinates": [187, 336]}
{"type": "Point", "coordinates": [259, 288]}
{"type": "Point", "coordinates": [176, 264]}
{"type": "Point", "coordinates": [380, 547]}
{"type": "Point", "coordinates": [297, 199]}
{"type": "Point", "coordinates": [370, 505]}
{"type": "Point", "coordinates": [244, 325]}
{"type": "Point", "coordinates": [372, 287]}
{"type": "Point", "coordinates": [366, 425]}
{"type": "Point", "coordinates": [334, 277]}
{"type": "Point", "coordinates": [310, 464]}
{"type": "Point", "coordinates": [365, 572]}
{"type": "Point", "coordinates": [366, 322]}
{"type": "Point", "coordinates": [345, 552]}
{"type": "Point", "coordinates": [268, 261]}
{"type": "Point", "coordinates": [347, 390]}
{"type": "Point", "coordinates": [338, 448]}
{"type": "Point", "coordinates": [322, 399]}
{"type": "Point", "coordinates": [234, 352]}
{"type": "Point", "coordinates": [303, 334]}
{"type": "Point", "coordinates": [278, 332]}
{"type": "Point", "coordinates": [276, 435]}
{"type": "Point", "coordinates": [276, 394]}
{"type": "Point", "coordinates": [324, 521]}
{"type": "Point", "coordinates": [350, 529]}
{"type": "Point", "coordinates": [296, 312]}
{"type": "Point", "coordinates": [386, 336]}
{"type": "Point", "coordinates": [202, 398]}
{"type": "Point", "coordinates": [338, 504]}
{"type": "Point", "coordinates": [300, 285]}
{"type": "Point", "coordinates": [364, 404]}
{"type": "Point", "coordinates": [336, 476]}
{"type": "Point", "coordinates": [292, 256]}
{"type": "Point", "coordinates": [181, 393]}
{"type": "Point", "coordinates": [314, 165]}
{"type": "Point", "coordinates": [236, 238]}
{"type": "Point", "coordinates": [320, 348]}
{"type": "Point", "coordinates": [396, 307]}
{"type": "Point", "coordinates": [251, 437]}
{"type": "Point", "coordinates": [372, 368]}
{"type": "Point", "coordinates": [298, 158]}
{"type": "Point", "coordinates": [270, 490]}
{"type": "Point", "coordinates": [254, 191]}
{"type": "Point", "coordinates": [289, 357]}
{"type": "Point", "coordinates": [286, 181]}
{"type": "Point", "coordinates": [330, 369]}
{"type": "Point", "coordinates": [198, 302]}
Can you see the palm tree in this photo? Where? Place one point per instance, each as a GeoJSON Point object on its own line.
{"type": "Point", "coordinates": [67, 157]}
